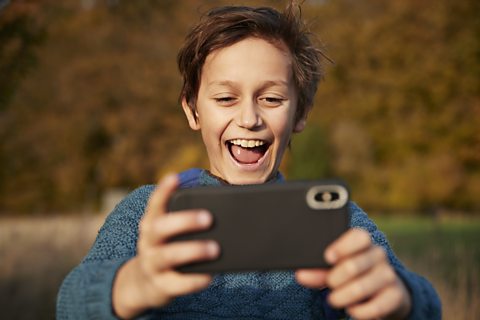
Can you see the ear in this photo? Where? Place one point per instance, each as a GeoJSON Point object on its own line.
{"type": "Point", "coordinates": [192, 116]}
{"type": "Point", "coordinates": [300, 125]}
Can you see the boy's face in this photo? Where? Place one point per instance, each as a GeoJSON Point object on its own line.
{"type": "Point", "coordinates": [245, 110]}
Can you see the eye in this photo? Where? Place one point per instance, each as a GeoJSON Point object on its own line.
{"type": "Point", "coordinates": [225, 101]}
{"type": "Point", "coordinates": [272, 101]}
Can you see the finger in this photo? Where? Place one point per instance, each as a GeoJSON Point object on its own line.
{"type": "Point", "coordinates": [351, 242]}
{"type": "Point", "coordinates": [363, 287]}
{"type": "Point", "coordinates": [164, 227]}
{"type": "Point", "coordinates": [381, 305]}
{"type": "Point", "coordinates": [312, 278]}
{"type": "Point", "coordinates": [351, 268]}
{"type": "Point", "coordinates": [180, 253]}
{"type": "Point", "coordinates": [157, 203]}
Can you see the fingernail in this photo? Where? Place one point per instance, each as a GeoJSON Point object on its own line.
{"type": "Point", "coordinates": [170, 177]}
{"type": "Point", "coordinates": [213, 249]}
{"type": "Point", "coordinates": [204, 218]}
{"type": "Point", "coordinates": [330, 256]}
{"type": "Point", "coordinates": [166, 179]}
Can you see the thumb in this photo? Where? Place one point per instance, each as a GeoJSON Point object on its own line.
{"type": "Point", "coordinates": [157, 205]}
{"type": "Point", "coordinates": [312, 278]}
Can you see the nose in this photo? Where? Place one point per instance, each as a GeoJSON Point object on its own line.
{"type": "Point", "coordinates": [248, 116]}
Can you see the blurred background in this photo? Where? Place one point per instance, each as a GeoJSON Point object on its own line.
{"type": "Point", "coordinates": [89, 111]}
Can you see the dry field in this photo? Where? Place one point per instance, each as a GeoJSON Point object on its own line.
{"type": "Point", "coordinates": [36, 254]}
{"type": "Point", "coordinates": [447, 253]}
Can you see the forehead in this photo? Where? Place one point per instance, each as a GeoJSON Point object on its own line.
{"type": "Point", "coordinates": [249, 56]}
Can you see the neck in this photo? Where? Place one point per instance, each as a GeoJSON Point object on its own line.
{"type": "Point", "coordinates": [211, 179]}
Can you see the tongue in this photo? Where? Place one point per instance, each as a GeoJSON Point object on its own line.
{"type": "Point", "coordinates": [247, 155]}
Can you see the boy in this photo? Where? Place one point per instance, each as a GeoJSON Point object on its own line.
{"type": "Point", "coordinates": [250, 75]}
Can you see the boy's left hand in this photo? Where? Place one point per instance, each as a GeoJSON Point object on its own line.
{"type": "Point", "coordinates": [361, 279]}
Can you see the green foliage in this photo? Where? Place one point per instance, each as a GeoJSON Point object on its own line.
{"type": "Point", "coordinates": [20, 34]}
{"type": "Point", "coordinates": [397, 116]}
{"type": "Point", "coordinates": [309, 155]}
{"type": "Point", "coordinates": [401, 103]}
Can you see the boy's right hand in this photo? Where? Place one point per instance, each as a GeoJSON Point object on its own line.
{"type": "Point", "coordinates": [149, 279]}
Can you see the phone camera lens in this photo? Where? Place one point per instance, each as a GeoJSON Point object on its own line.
{"type": "Point", "coordinates": [323, 196]}
{"type": "Point", "coordinates": [326, 196]}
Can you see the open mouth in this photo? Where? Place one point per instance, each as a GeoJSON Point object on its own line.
{"type": "Point", "coordinates": [247, 151]}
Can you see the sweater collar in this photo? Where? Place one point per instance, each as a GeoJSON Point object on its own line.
{"type": "Point", "coordinates": [206, 178]}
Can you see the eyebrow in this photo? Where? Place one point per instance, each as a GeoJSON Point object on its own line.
{"type": "Point", "coordinates": [266, 84]}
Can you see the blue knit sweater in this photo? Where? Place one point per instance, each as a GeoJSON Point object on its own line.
{"type": "Point", "coordinates": [86, 292]}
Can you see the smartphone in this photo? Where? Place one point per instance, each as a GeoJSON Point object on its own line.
{"type": "Point", "coordinates": [267, 227]}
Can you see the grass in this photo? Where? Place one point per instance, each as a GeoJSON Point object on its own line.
{"type": "Point", "coordinates": [446, 252]}
{"type": "Point", "coordinates": [37, 253]}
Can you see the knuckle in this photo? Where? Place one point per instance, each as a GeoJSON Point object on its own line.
{"type": "Point", "coordinates": [378, 309]}
{"type": "Point", "coordinates": [194, 285]}
{"type": "Point", "coordinates": [351, 268]}
{"type": "Point", "coordinates": [167, 257]}
{"type": "Point", "coordinates": [147, 267]}
{"type": "Point", "coordinates": [334, 300]}
{"type": "Point", "coordinates": [380, 253]}
{"type": "Point", "coordinates": [182, 221]}
{"type": "Point", "coordinates": [369, 311]}
{"type": "Point", "coordinates": [395, 294]}
{"type": "Point", "coordinates": [170, 285]}
{"type": "Point", "coordinates": [191, 220]}
{"type": "Point", "coordinates": [356, 312]}
{"type": "Point", "coordinates": [186, 285]}
{"type": "Point", "coordinates": [398, 296]}
{"type": "Point", "coordinates": [358, 288]}
{"type": "Point", "coordinates": [331, 281]}
{"type": "Point", "coordinates": [201, 249]}
{"type": "Point", "coordinates": [388, 274]}
{"type": "Point", "coordinates": [363, 237]}
{"type": "Point", "coordinates": [352, 311]}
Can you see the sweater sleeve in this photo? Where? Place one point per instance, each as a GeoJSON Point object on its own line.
{"type": "Point", "coordinates": [425, 301]}
{"type": "Point", "coordinates": [86, 293]}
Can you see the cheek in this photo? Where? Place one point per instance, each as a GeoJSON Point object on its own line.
{"type": "Point", "coordinates": [212, 128]}
{"type": "Point", "coordinates": [282, 126]}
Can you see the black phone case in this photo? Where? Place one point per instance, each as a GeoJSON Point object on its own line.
{"type": "Point", "coordinates": [267, 227]}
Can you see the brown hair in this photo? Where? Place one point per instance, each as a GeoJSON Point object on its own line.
{"type": "Point", "coordinates": [225, 26]}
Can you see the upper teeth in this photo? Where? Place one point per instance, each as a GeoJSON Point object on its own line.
{"type": "Point", "coordinates": [247, 143]}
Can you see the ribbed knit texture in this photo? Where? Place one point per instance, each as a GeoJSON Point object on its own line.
{"type": "Point", "coordinates": [87, 290]}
